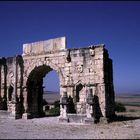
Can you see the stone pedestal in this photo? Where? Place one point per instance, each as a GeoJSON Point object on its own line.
{"type": "Point", "coordinates": [89, 111]}
{"type": "Point", "coordinates": [77, 118]}
{"type": "Point", "coordinates": [62, 119]}
{"type": "Point", "coordinates": [26, 116]}
{"type": "Point", "coordinates": [63, 116]}
{"type": "Point", "coordinates": [13, 110]}
{"type": "Point", "coordinates": [89, 120]}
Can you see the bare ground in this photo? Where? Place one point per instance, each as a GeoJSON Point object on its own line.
{"type": "Point", "coordinates": [50, 128]}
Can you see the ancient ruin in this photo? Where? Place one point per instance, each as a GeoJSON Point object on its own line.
{"type": "Point", "coordinates": [85, 74]}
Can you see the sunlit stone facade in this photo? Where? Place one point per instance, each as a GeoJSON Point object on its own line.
{"type": "Point", "coordinates": [85, 75]}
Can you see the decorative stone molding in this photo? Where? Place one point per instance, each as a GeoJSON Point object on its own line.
{"type": "Point", "coordinates": [80, 68]}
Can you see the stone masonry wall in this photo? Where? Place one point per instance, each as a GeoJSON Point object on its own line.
{"type": "Point", "coordinates": [80, 71]}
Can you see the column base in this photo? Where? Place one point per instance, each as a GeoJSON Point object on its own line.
{"type": "Point", "coordinates": [12, 115]}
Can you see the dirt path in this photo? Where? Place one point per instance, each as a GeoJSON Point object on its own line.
{"type": "Point", "coordinates": [50, 128]}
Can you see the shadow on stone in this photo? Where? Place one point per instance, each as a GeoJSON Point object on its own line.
{"type": "Point", "coordinates": [119, 118]}
{"type": "Point", "coordinates": [71, 106]}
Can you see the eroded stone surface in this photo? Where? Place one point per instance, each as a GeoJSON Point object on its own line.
{"type": "Point", "coordinates": [41, 47]}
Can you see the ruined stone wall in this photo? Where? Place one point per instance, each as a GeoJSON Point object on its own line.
{"type": "Point", "coordinates": [11, 84]}
{"type": "Point", "coordinates": [81, 71]}
{"type": "Point", "coordinates": [3, 82]}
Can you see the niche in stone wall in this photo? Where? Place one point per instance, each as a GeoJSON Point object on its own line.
{"type": "Point", "coordinates": [79, 87]}
{"type": "Point", "coordinates": [10, 92]}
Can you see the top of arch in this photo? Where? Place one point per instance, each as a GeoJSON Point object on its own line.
{"type": "Point", "coordinates": [42, 47]}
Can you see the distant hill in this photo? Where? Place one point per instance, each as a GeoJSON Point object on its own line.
{"type": "Point", "coordinates": [131, 101]}
{"type": "Point", "coordinates": [51, 96]}
{"type": "Point", "coordinates": [51, 92]}
{"type": "Point", "coordinates": [128, 94]}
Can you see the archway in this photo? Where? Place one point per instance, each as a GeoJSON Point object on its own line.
{"type": "Point", "coordinates": [51, 96]}
{"type": "Point", "coordinates": [35, 91]}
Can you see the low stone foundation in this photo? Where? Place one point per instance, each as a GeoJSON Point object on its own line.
{"type": "Point", "coordinates": [77, 118]}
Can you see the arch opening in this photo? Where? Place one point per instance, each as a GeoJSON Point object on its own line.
{"type": "Point", "coordinates": [51, 96]}
{"type": "Point", "coordinates": [35, 90]}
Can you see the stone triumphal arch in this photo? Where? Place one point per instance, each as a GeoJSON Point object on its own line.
{"type": "Point", "coordinates": [85, 75]}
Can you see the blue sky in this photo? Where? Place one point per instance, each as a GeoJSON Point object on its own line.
{"type": "Point", "coordinates": [113, 23]}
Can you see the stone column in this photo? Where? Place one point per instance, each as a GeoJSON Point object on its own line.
{"type": "Point", "coordinates": [3, 88]}
{"type": "Point", "coordinates": [13, 105]}
{"type": "Point", "coordinates": [89, 107]}
{"type": "Point", "coordinates": [25, 104]}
